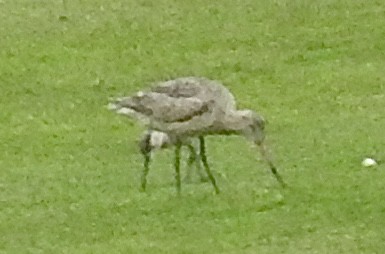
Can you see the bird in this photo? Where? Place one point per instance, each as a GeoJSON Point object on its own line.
{"type": "Point", "coordinates": [202, 88]}
{"type": "Point", "coordinates": [194, 107]}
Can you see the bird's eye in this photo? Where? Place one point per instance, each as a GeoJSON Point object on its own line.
{"type": "Point", "coordinates": [260, 122]}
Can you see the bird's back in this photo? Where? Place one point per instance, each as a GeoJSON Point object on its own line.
{"type": "Point", "coordinates": [198, 87]}
{"type": "Point", "coordinates": [160, 107]}
{"type": "Point", "coordinates": [183, 106]}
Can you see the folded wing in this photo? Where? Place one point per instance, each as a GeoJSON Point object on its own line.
{"type": "Point", "coordinates": [161, 107]}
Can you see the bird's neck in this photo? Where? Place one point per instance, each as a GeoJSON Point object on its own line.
{"type": "Point", "coordinates": [232, 123]}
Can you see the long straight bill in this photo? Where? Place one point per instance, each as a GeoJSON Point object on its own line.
{"type": "Point", "coordinates": [267, 157]}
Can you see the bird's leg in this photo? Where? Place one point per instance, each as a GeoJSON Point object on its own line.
{"type": "Point", "coordinates": [202, 176]}
{"type": "Point", "coordinates": [194, 157]}
{"type": "Point", "coordinates": [267, 157]}
{"type": "Point", "coordinates": [205, 163]}
{"type": "Point", "coordinates": [147, 158]}
{"type": "Point", "coordinates": [145, 149]}
{"type": "Point", "coordinates": [191, 159]}
{"type": "Point", "coordinates": [177, 165]}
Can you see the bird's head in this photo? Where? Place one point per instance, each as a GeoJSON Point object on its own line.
{"type": "Point", "coordinates": [254, 127]}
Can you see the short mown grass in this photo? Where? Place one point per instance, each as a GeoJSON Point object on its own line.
{"type": "Point", "coordinates": [70, 169]}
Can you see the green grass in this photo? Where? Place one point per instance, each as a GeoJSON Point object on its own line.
{"type": "Point", "coordinates": [69, 169]}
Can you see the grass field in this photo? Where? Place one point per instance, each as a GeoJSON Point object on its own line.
{"type": "Point", "coordinates": [70, 169]}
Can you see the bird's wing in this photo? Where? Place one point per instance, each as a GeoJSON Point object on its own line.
{"type": "Point", "coordinates": [202, 88]}
{"type": "Point", "coordinates": [196, 125]}
{"type": "Point", "coordinates": [182, 87]}
{"type": "Point", "coordinates": [162, 108]}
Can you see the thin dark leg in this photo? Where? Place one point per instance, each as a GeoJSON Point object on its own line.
{"type": "Point", "coordinates": [177, 166]}
{"type": "Point", "coordinates": [194, 157]}
{"type": "Point", "coordinates": [190, 161]}
{"type": "Point", "coordinates": [147, 158]}
{"type": "Point", "coordinates": [145, 149]}
{"type": "Point", "coordinates": [205, 163]}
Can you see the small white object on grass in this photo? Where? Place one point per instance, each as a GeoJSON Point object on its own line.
{"type": "Point", "coordinates": [369, 162]}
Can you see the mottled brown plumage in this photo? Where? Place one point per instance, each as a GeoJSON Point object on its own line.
{"type": "Point", "coordinates": [191, 107]}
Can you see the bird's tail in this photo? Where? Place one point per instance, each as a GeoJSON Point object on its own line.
{"type": "Point", "coordinates": [115, 104]}
{"type": "Point", "coordinates": [126, 106]}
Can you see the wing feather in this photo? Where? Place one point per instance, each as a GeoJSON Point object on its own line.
{"type": "Point", "coordinates": [163, 108]}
